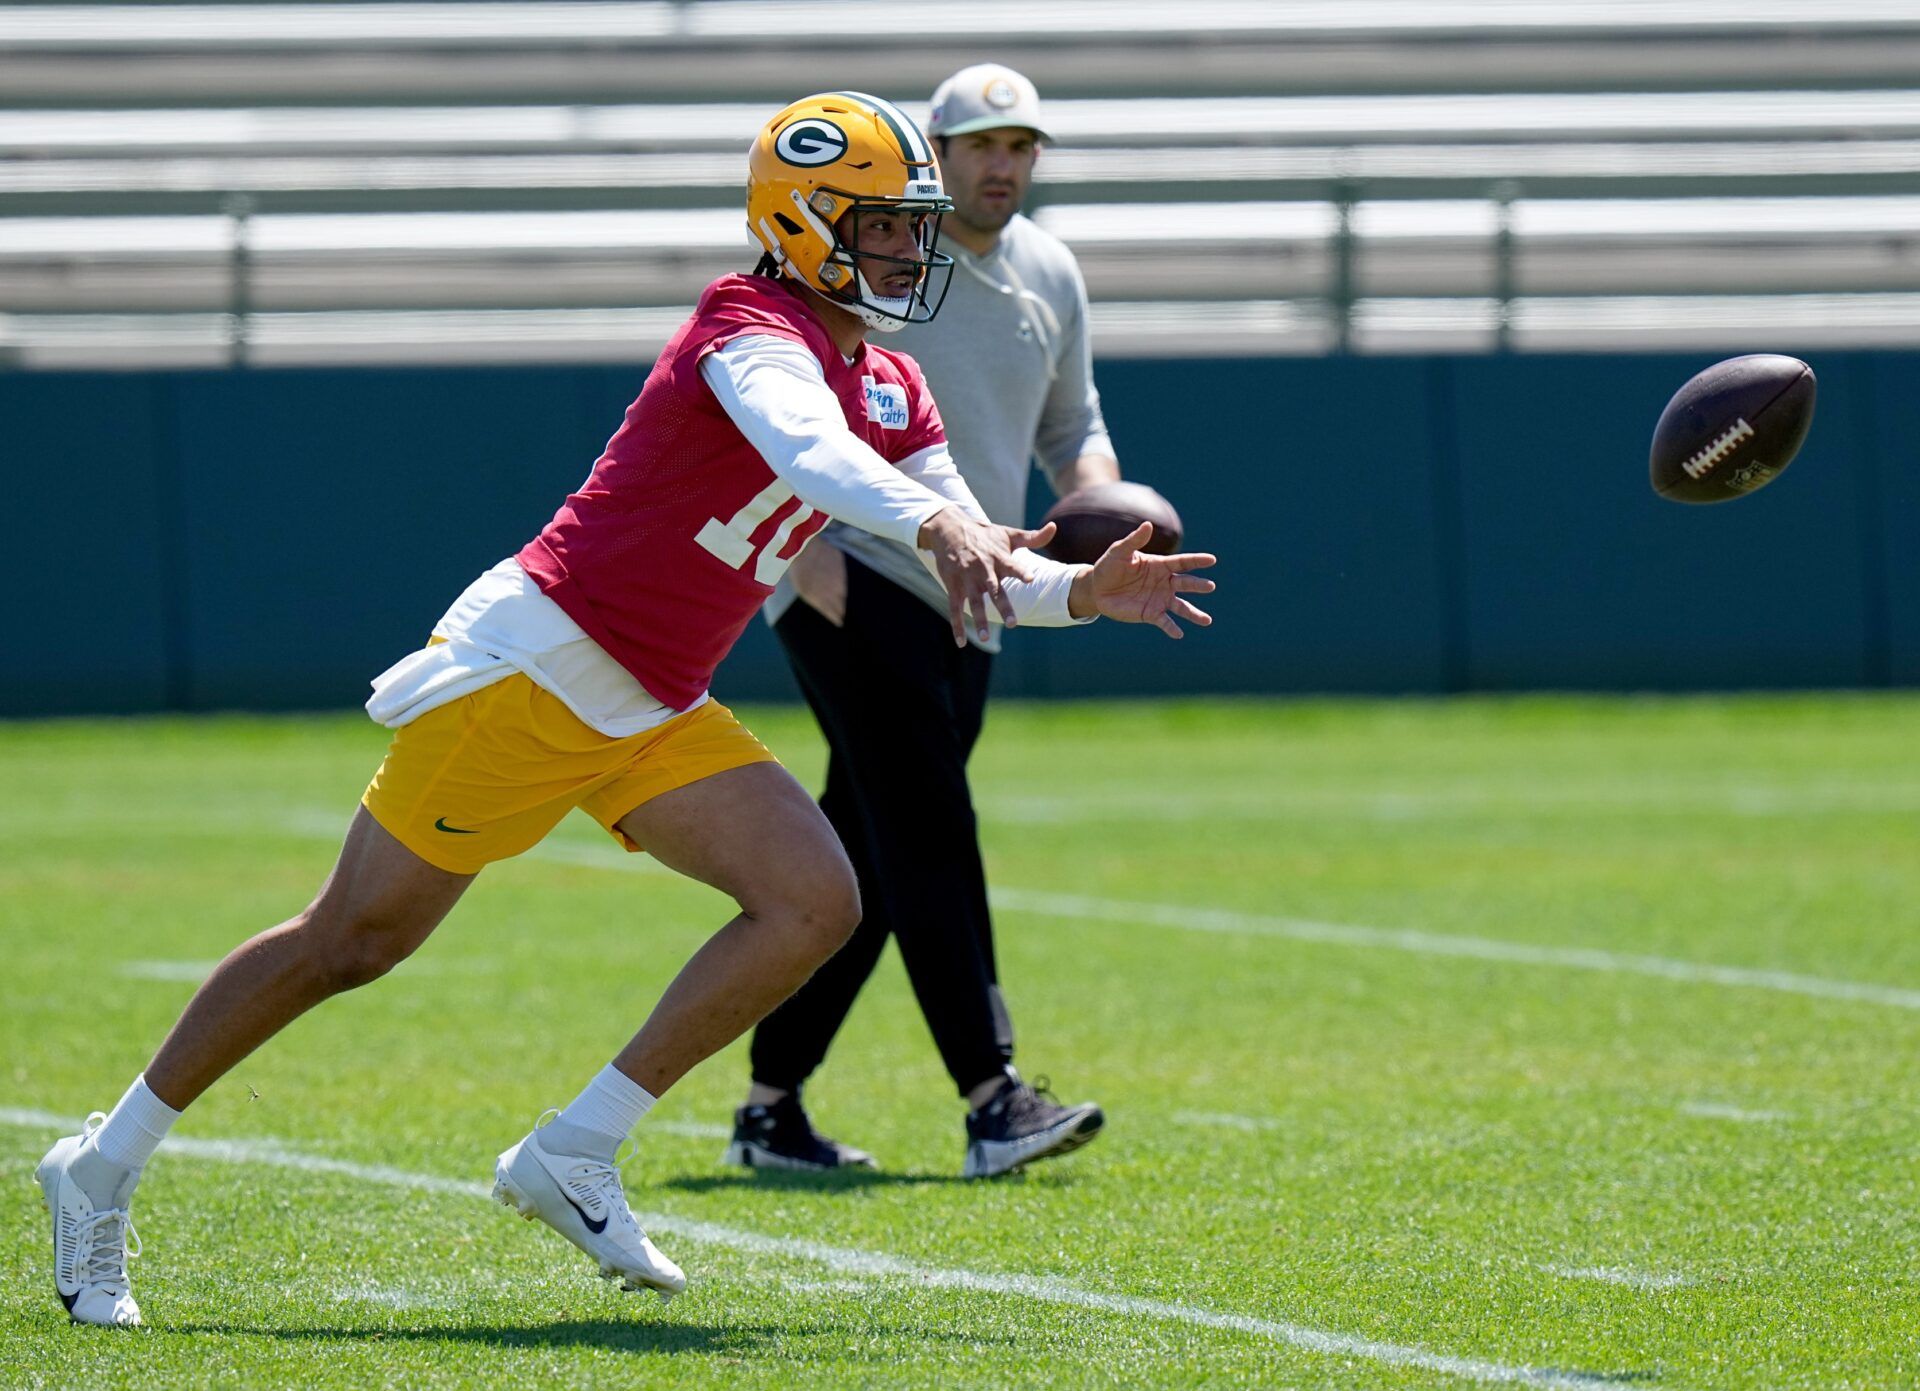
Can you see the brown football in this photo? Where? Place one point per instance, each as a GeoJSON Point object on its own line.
{"type": "Point", "coordinates": [1091, 519]}
{"type": "Point", "coordinates": [1732, 429]}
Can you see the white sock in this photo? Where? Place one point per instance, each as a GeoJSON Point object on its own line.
{"type": "Point", "coordinates": [135, 1128]}
{"type": "Point", "coordinates": [612, 1104]}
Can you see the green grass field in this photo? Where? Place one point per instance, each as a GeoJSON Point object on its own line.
{"type": "Point", "coordinates": [1568, 1043]}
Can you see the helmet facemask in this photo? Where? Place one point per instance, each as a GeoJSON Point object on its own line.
{"type": "Point", "coordinates": [817, 173]}
{"type": "Point", "coordinates": [850, 276]}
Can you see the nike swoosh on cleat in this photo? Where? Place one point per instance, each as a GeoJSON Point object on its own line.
{"type": "Point", "coordinates": [441, 825]}
{"type": "Point", "coordinates": [595, 1227]}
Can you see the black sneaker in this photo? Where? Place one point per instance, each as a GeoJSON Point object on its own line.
{"type": "Point", "coordinates": [1022, 1124]}
{"type": "Point", "coordinates": [781, 1137]}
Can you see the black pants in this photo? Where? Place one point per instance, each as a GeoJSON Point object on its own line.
{"type": "Point", "coordinates": [901, 707]}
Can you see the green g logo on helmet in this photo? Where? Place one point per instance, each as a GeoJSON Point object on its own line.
{"type": "Point", "coordinates": [819, 167]}
{"type": "Point", "coordinates": [811, 143]}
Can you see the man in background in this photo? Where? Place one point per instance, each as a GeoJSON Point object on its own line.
{"type": "Point", "coordinates": [900, 705]}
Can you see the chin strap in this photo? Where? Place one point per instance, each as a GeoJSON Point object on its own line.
{"type": "Point", "coordinates": [890, 312]}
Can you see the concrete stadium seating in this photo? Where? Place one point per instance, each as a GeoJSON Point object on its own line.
{"type": "Point", "coordinates": [460, 182]}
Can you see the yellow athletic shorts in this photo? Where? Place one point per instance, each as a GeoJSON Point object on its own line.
{"type": "Point", "coordinates": [486, 776]}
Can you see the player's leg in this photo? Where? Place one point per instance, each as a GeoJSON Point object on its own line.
{"type": "Point", "coordinates": [887, 703]}
{"type": "Point", "coordinates": [772, 1130]}
{"type": "Point", "coordinates": [378, 905]}
{"type": "Point", "coordinates": [790, 1043]}
{"type": "Point", "coordinates": [754, 834]}
{"type": "Point", "coordinates": [903, 719]}
{"type": "Point", "coordinates": [476, 780]}
{"type": "Point", "coordinates": [376, 908]}
{"type": "Point", "coordinates": [970, 677]}
{"type": "Point", "coordinates": [1009, 1123]}
{"type": "Point", "coordinates": [750, 831]}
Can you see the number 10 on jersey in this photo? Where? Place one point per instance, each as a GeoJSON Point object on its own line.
{"type": "Point", "coordinates": [731, 541]}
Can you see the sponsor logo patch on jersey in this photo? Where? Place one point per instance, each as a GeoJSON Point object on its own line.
{"type": "Point", "coordinates": [886, 403]}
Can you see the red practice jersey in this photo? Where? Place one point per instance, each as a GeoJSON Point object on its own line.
{"type": "Point", "coordinates": [680, 532]}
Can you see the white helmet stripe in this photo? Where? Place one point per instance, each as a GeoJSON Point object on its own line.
{"type": "Point", "coordinates": [912, 142]}
{"type": "Point", "coordinates": [771, 240]}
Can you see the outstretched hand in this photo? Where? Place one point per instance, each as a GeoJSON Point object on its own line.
{"type": "Point", "coordinates": [972, 557]}
{"type": "Point", "coordinates": [1127, 585]}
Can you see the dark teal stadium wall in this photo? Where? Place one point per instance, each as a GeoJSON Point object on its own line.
{"type": "Point", "coordinates": [270, 539]}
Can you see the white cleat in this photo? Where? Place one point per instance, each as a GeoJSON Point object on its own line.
{"type": "Point", "coordinates": [91, 1243]}
{"type": "Point", "coordinates": [580, 1197]}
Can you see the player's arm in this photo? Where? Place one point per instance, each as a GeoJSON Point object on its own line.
{"type": "Point", "coordinates": [774, 391]}
{"type": "Point", "coordinates": [1123, 584]}
{"type": "Point", "coordinates": [1132, 587]}
{"type": "Point", "coordinates": [1071, 440]}
{"type": "Point", "coordinates": [1039, 596]}
{"type": "Point", "coordinates": [1084, 472]}
{"type": "Point", "coordinates": [819, 573]}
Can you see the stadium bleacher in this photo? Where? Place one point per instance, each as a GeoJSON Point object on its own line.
{"type": "Point", "coordinates": [191, 184]}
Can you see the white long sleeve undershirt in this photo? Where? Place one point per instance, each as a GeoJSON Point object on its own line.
{"type": "Point", "coordinates": [774, 390]}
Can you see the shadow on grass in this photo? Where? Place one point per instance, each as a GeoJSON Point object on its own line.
{"type": "Point", "coordinates": [619, 1335]}
{"type": "Point", "coordinates": [615, 1335]}
{"type": "Point", "coordinates": [787, 1180]}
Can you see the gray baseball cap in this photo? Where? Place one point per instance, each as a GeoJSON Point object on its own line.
{"type": "Point", "coordinates": [985, 96]}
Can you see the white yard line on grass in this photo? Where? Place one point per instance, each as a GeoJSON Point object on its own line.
{"type": "Point", "coordinates": [1193, 919]}
{"type": "Point", "coordinates": [390, 1297]}
{"type": "Point", "coordinates": [1455, 802]}
{"type": "Point", "coordinates": [1226, 1121]}
{"type": "Point", "coordinates": [1715, 1111]}
{"type": "Point", "coordinates": [852, 1261]}
{"type": "Point", "coordinates": [1619, 1275]}
{"type": "Point", "coordinates": [558, 848]}
{"type": "Point", "coordinates": [192, 972]}
{"type": "Point", "coordinates": [592, 856]}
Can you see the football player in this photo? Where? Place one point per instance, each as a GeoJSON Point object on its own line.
{"type": "Point", "coordinates": [1011, 363]}
{"type": "Point", "coordinates": [575, 673]}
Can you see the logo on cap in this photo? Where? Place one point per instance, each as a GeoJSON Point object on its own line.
{"type": "Point", "coordinates": [1001, 93]}
{"type": "Point", "coordinates": [811, 143]}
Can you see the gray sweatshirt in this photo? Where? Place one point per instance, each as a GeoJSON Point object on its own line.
{"type": "Point", "coordinates": [1012, 371]}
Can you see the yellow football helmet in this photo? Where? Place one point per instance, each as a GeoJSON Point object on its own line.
{"type": "Point", "coordinates": [837, 153]}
